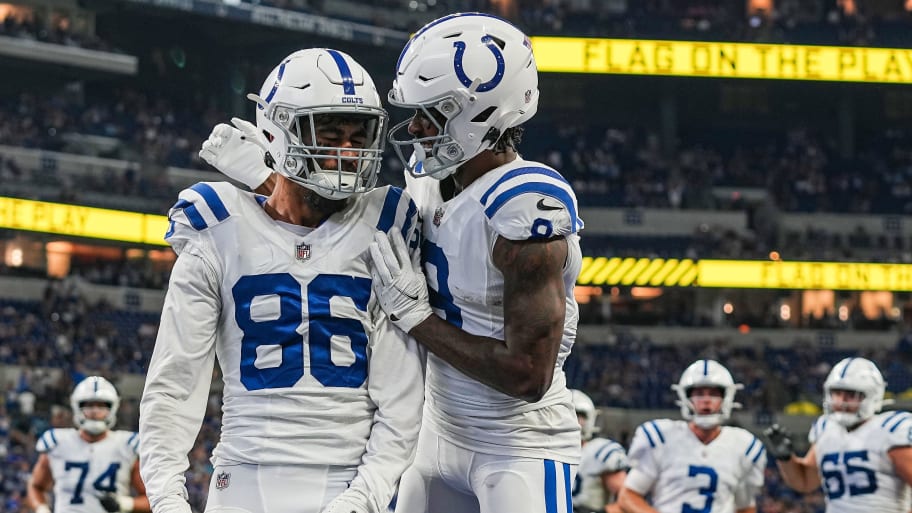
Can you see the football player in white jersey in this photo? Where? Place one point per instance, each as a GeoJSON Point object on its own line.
{"type": "Point", "coordinates": [603, 464]}
{"type": "Point", "coordinates": [696, 464]}
{"type": "Point", "coordinates": [861, 457]}
{"type": "Point", "coordinates": [501, 256]}
{"type": "Point", "coordinates": [90, 469]}
{"type": "Point", "coordinates": [322, 394]}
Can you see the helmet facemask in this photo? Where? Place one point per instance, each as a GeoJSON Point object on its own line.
{"type": "Point", "coordinates": [437, 155]}
{"type": "Point", "coordinates": [333, 172]}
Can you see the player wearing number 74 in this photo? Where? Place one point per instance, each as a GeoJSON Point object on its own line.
{"type": "Point", "coordinates": [322, 394]}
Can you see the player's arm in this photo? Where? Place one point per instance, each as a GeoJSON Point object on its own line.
{"type": "Point", "coordinates": [633, 502]}
{"type": "Point", "coordinates": [396, 386]}
{"type": "Point", "coordinates": [177, 383]}
{"type": "Point", "coordinates": [613, 482]}
{"type": "Point", "coordinates": [522, 365]}
{"type": "Point", "coordinates": [902, 462]}
{"type": "Point", "coordinates": [40, 485]}
{"type": "Point", "coordinates": [800, 473]}
{"type": "Point", "coordinates": [140, 500]}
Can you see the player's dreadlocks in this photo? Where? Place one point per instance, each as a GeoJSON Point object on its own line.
{"type": "Point", "coordinates": [510, 138]}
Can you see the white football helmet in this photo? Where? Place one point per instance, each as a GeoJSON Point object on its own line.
{"type": "Point", "coordinates": [306, 86]}
{"type": "Point", "coordinates": [858, 375]}
{"type": "Point", "coordinates": [91, 389]}
{"type": "Point", "coordinates": [474, 70]}
{"type": "Point", "coordinates": [585, 408]}
{"type": "Point", "coordinates": [707, 373]}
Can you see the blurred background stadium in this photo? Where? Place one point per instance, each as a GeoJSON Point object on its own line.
{"type": "Point", "coordinates": [748, 202]}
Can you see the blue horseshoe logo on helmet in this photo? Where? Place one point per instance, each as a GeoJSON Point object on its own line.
{"type": "Point", "coordinates": [460, 71]}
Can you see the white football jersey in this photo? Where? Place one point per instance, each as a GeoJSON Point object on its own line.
{"type": "Point", "coordinates": [683, 474]}
{"type": "Point", "coordinates": [600, 456]}
{"type": "Point", "coordinates": [856, 472]}
{"type": "Point", "coordinates": [307, 355]}
{"type": "Point", "coordinates": [519, 201]}
{"type": "Point", "coordinates": [84, 471]}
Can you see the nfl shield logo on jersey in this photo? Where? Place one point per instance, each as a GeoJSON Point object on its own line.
{"type": "Point", "coordinates": [222, 480]}
{"type": "Point", "coordinates": [438, 215]}
{"type": "Point", "coordinates": [302, 251]}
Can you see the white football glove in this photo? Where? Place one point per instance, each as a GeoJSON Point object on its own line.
{"type": "Point", "coordinates": [237, 152]}
{"type": "Point", "coordinates": [348, 502]}
{"type": "Point", "coordinates": [398, 281]}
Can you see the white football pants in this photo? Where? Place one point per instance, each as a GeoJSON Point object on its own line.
{"type": "Point", "coordinates": [275, 488]}
{"type": "Point", "coordinates": [445, 478]}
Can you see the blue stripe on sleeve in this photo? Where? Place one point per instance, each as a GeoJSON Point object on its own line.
{"type": "Point", "coordinates": [900, 421]}
{"type": "Point", "coordinates": [388, 212]}
{"type": "Point", "coordinates": [751, 446]}
{"type": "Point", "coordinates": [53, 436]}
{"type": "Point", "coordinates": [759, 453]}
{"type": "Point", "coordinates": [608, 456]}
{"type": "Point", "coordinates": [193, 215]}
{"type": "Point", "coordinates": [891, 417]}
{"type": "Point", "coordinates": [550, 487]}
{"type": "Point", "coordinates": [546, 189]}
{"type": "Point", "coordinates": [212, 200]}
{"type": "Point", "coordinates": [658, 431]}
{"type": "Point", "coordinates": [409, 216]}
{"type": "Point", "coordinates": [519, 172]}
{"type": "Point", "coordinates": [648, 436]}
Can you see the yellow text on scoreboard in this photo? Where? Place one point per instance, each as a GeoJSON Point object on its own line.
{"type": "Point", "coordinates": [82, 221]}
{"type": "Point", "coordinates": [723, 60]}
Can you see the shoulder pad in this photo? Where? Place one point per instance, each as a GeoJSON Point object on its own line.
{"type": "Point", "coordinates": [892, 420]}
{"type": "Point", "coordinates": [202, 206]}
{"type": "Point", "coordinates": [398, 211]}
{"type": "Point", "coordinates": [817, 428]}
{"type": "Point", "coordinates": [655, 431]}
{"type": "Point", "coordinates": [531, 202]}
{"type": "Point", "coordinates": [47, 441]}
{"type": "Point", "coordinates": [611, 455]}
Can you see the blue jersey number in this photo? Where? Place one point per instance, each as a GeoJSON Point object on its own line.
{"type": "Point", "coordinates": [106, 482]}
{"type": "Point", "coordinates": [283, 330]}
{"type": "Point", "coordinates": [441, 298]}
{"type": "Point", "coordinates": [707, 491]}
{"type": "Point", "coordinates": [835, 479]}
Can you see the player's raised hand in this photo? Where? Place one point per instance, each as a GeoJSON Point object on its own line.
{"type": "Point", "coordinates": [399, 285]}
{"type": "Point", "coordinates": [780, 442]}
{"type": "Point", "coordinates": [237, 151]}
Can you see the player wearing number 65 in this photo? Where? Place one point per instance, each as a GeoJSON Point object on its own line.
{"type": "Point", "coordinates": [696, 465]}
{"type": "Point", "coordinates": [322, 394]}
{"type": "Point", "coordinates": [861, 457]}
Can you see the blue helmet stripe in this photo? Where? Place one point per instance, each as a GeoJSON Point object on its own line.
{"type": "Point", "coordinates": [275, 86]}
{"type": "Point", "coordinates": [846, 368]}
{"type": "Point", "coordinates": [348, 83]}
{"type": "Point", "coordinates": [706, 367]}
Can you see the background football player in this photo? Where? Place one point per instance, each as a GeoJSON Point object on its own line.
{"type": "Point", "coordinates": [696, 464]}
{"type": "Point", "coordinates": [90, 469]}
{"type": "Point", "coordinates": [863, 458]}
{"type": "Point", "coordinates": [603, 464]}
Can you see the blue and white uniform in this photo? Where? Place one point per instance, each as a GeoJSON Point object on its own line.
{"type": "Point", "coordinates": [85, 471]}
{"type": "Point", "coordinates": [683, 474]}
{"type": "Point", "coordinates": [855, 469]}
{"type": "Point", "coordinates": [600, 456]}
{"type": "Point", "coordinates": [464, 418]}
{"type": "Point", "coordinates": [317, 381]}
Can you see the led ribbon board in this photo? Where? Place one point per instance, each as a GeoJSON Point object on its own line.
{"type": "Point", "coordinates": [745, 274]}
{"type": "Point", "coordinates": [723, 60]}
{"type": "Point", "coordinates": [81, 221]}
